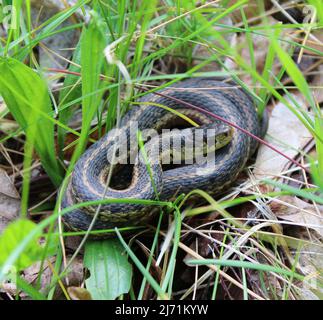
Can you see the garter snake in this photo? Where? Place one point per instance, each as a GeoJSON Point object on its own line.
{"type": "Point", "coordinates": [151, 179]}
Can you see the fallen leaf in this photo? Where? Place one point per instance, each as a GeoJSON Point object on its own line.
{"type": "Point", "coordinates": [9, 200]}
{"type": "Point", "coordinates": [204, 52]}
{"type": "Point", "coordinates": [317, 85]}
{"type": "Point", "coordinates": [3, 106]}
{"type": "Point", "coordinates": [74, 278]}
{"type": "Point", "coordinates": [259, 280]}
{"type": "Point", "coordinates": [298, 211]}
{"type": "Point", "coordinates": [311, 263]}
{"type": "Point", "coordinates": [287, 134]}
{"type": "Point", "coordinates": [77, 293]}
{"type": "Point", "coordinates": [251, 10]}
{"type": "Point", "coordinates": [52, 51]}
{"type": "Point", "coordinates": [32, 273]}
{"type": "Point", "coordinates": [9, 288]}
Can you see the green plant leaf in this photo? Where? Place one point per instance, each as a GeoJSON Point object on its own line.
{"type": "Point", "coordinates": [11, 238]}
{"type": "Point", "coordinates": [27, 98]}
{"type": "Point", "coordinates": [111, 273]}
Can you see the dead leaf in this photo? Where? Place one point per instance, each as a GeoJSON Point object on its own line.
{"type": "Point", "coordinates": [8, 288]}
{"type": "Point", "coordinates": [3, 106]}
{"type": "Point", "coordinates": [287, 134]}
{"type": "Point", "coordinates": [296, 210]}
{"type": "Point", "coordinates": [31, 275]}
{"type": "Point", "coordinates": [74, 278]}
{"type": "Point", "coordinates": [259, 280]}
{"type": "Point", "coordinates": [315, 44]}
{"type": "Point", "coordinates": [317, 85]}
{"type": "Point", "coordinates": [311, 264]}
{"type": "Point", "coordinates": [77, 293]}
{"type": "Point", "coordinates": [251, 10]}
{"type": "Point", "coordinates": [6, 125]}
{"type": "Point", "coordinates": [260, 46]}
{"type": "Point", "coordinates": [9, 200]}
{"type": "Point", "coordinates": [52, 50]}
{"type": "Point", "coordinates": [72, 243]}
{"type": "Point", "coordinates": [204, 52]}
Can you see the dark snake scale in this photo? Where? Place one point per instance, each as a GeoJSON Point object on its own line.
{"type": "Point", "coordinates": [88, 180]}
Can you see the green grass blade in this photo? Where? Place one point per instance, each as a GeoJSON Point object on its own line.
{"type": "Point", "coordinates": [161, 293]}
{"type": "Point", "coordinates": [246, 265]}
{"type": "Point", "coordinates": [294, 72]}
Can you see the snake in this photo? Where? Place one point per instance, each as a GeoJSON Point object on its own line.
{"type": "Point", "coordinates": [166, 122]}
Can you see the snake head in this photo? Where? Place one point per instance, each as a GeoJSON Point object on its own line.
{"type": "Point", "coordinates": [214, 138]}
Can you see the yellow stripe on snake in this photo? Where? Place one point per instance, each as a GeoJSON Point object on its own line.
{"type": "Point", "coordinates": [204, 168]}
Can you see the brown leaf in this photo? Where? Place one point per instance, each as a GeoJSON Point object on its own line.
{"type": "Point", "coordinates": [251, 10]}
{"type": "Point", "coordinates": [298, 211]}
{"type": "Point", "coordinates": [77, 293]}
{"type": "Point", "coordinates": [41, 12]}
{"type": "Point", "coordinates": [76, 272]}
{"type": "Point", "coordinates": [31, 275]}
{"type": "Point", "coordinates": [287, 134]}
{"type": "Point", "coordinates": [204, 52]}
{"type": "Point", "coordinates": [9, 200]}
{"type": "Point", "coordinates": [74, 277]}
{"type": "Point", "coordinates": [311, 263]}
{"type": "Point", "coordinates": [317, 85]}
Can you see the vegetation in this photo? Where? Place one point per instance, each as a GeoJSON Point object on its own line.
{"type": "Point", "coordinates": [236, 246]}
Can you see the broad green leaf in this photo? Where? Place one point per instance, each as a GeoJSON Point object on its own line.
{"type": "Point", "coordinates": [111, 273]}
{"type": "Point", "coordinates": [27, 98]}
{"type": "Point", "coordinates": [11, 238]}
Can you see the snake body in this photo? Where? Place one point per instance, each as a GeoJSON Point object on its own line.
{"type": "Point", "coordinates": [88, 180]}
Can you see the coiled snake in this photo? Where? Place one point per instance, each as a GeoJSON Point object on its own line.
{"type": "Point", "coordinates": [151, 179]}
